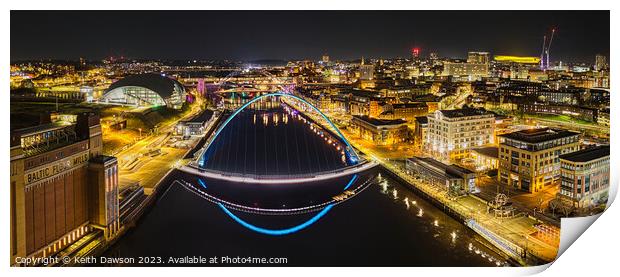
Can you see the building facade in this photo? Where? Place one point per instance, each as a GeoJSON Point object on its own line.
{"type": "Point", "coordinates": [452, 133]}
{"type": "Point", "coordinates": [49, 183]}
{"type": "Point", "coordinates": [379, 131]}
{"type": "Point", "coordinates": [146, 90]}
{"type": "Point", "coordinates": [104, 206]}
{"type": "Point", "coordinates": [585, 177]}
{"type": "Point", "coordinates": [405, 111]}
{"type": "Point", "coordinates": [529, 160]}
{"type": "Point", "coordinates": [419, 132]}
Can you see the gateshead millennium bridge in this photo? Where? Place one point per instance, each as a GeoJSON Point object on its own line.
{"type": "Point", "coordinates": [355, 163]}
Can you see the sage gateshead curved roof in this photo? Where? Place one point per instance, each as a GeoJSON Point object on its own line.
{"type": "Point", "coordinates": [148, 89]}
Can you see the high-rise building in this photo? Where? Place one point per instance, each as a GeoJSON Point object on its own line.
{"type": "Point", "coordinates": [478, 57]}
{"type": "Point", "coordinates": [51, 196]}
{"type": "Point", "coordinates": [600, 62]}
{"type": "Point", "coordinates": [452, 133]}
{"type": "Point", "coordinates": [471, 71]}
{"type": "Point", "coordinates": [477, 66]}
{"type": "Point", "coordinates": [585, 177]}
{"type": "Point", "coordinates": [325, 58]}
{"type": "Point", "coordinates": [529, 160]}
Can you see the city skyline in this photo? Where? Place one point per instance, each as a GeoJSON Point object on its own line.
{"type": "Point", "coordinates": [297, 35]}
{"type": "Point", "coordinates": [295, 138]}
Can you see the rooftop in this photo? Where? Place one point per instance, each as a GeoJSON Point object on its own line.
{"type": "Point", "coordinates": [464, 112]}
{"type": "Point", "coordinates": [409, 105]}
{"type": "Point", "coordinates": [489, 151]}
{"type": "Point", "coordinates": [379, 122]}
{"type": "Point", "coordinates": [587, 154]}
{"type": "Point", "coordinates": [102, 159]}
{"type": "Point", "coordinates": [158, 83]}
{"type": "Point", "coordinates": [452, 170]}
{"type": "Point", "coordinates": [421, 119]}
{"type": "Point", "coordinates": [539, 135]}
{"type": "Point", "coordinates": [38, 129]}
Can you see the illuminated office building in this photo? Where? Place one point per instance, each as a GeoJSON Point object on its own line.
{"type": "Point", "coordinates": [478, 57]}
{"type": "Point", "coordinates": [585, 177]}
{"type": "Point", "coordinates": [529, 160]}
{"type": "Point", "coordinates": [600, 62]}
{"type": "Point", "coordinates": [379, 131]}
{"type": "Point", "coordinates": [452, 133]}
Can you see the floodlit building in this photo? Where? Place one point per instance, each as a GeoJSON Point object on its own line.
{"type": "Point", "coordinates": [485, 158]}
{"type": "Point", "coordinates": [585, 177]}
{"type": "Point", "coordinates": [600, 62]}
{"type": "Point", "coordinates": [471, 71]}
{"type": "Point", "coordinates": [147, 89]}
{"type": "Point", "coordinates": [104, 211]}
{"type": "Point", "coordinates": [62, 188]}
{"type": "Point", "coordinates": [478, 57]}
{"type": "Point", "coordinates": [529, 160]}
{"type": "Point", "coordinates": [452, 133]}
{"type": "Point", "coordinates": [379, 131]}
{"type": "Point", "coordinates": [405, 111]}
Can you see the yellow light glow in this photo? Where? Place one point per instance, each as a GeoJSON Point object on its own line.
{"type": "Point", "coordinates": [517, 59]}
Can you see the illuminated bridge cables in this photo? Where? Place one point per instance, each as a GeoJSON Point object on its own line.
{"type": "Point", "coordinates": [227, 139]}
{"type": "Point", "coordinates": [276, 151]}
{"type": "Point", "coordinates": [255, 152]}
{"type": "Point", "coordinates": [237, 147]}
{"type": "Point", "coordinates": [288, 161]}
{"type": "Point", "coordinates": [297, 152]}
{"type": "Point", "coordinates": [265, 145]}
{"type": "Point", "coordinates": [245, 147]}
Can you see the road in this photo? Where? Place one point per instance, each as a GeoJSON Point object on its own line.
{"type": "Point", "coordinates": [148, 170]}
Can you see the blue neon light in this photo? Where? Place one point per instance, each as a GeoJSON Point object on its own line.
{"type": "Point", "coordinates": [353, 159]}
{"type": "Point", "coordinates": [287, 231]}
{"type": "Point", "coordinates": [202, 183]}
{"type": "Point", "coordinates": [350, 182]}
{"type": "Point", "coordinates": [279, 232]}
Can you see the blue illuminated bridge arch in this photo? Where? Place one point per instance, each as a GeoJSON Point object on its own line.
{"type": "Point", "coordinates": [350, 152]}
{"type": "Point", "coordinates": [357, 166]}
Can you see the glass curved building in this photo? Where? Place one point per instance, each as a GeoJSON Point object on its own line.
{"type": "Point", "coordinates": [147, 89]}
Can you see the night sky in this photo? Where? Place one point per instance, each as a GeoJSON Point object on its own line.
{"type": "Point", "coordinates": [254, 35]}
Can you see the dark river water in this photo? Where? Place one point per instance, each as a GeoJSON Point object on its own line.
{"type": "Point", "coordinates": [384, 224]}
